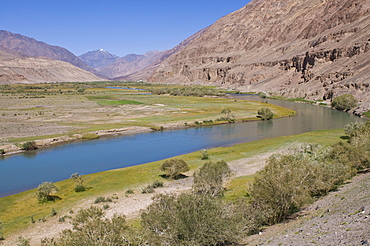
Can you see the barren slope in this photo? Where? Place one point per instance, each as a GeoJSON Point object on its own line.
{"type": "Point", "coordinates": [33, 70]}
{"type": "Point", "coordinates": [34, 48]}
{"type": "Point", "coordinates": [316, 49]}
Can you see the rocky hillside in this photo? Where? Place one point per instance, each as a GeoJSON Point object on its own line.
{"type": "Point", "coordinates": [98, 58]}
{"type": "Point", "coordinates": [33, 48]}
{"type": "Point", "coordinates": [314, 49]}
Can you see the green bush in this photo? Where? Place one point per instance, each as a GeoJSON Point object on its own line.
{"type": "Point", "coordinates": [91, 228]}
{"type": "Point", "coordinates": [2, 152]}
{"type": "Point", "coordinates": [210, 177]}
{"type": "Point", "coordinates": [44, 191]}
{"type": "Point", "coordinates": [174, 167]}
{"type": "Point", "coordinates": [344, 102]}
{"type": "Point", "coordinates": [129, 191]}
{"type": "Point", "coordinates": [189, 219]}
{"type": "Point", "coordinates": [204, 153]}
{"type": "Point", "coordinates": [79, 181]}
{"type": "Point", "coordinates": [79, 188]}
{"type": "Point", "coordinates": [157, 184]}
{"type": "Point", "coordinates": [265, 114]}
{"type": "Point", "coordinates": [29, 146]}
{"type": "Point", "coordinates": [99, 199]}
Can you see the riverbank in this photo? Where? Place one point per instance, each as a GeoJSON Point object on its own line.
{"type": "Point", "coordinates": [17, 211]}
{"type": "Point", "coordinates": [52, 115]}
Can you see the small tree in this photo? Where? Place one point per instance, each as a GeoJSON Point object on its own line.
{"type": "Point", "coordinates": [44, 191]}
{"type": "Point", "coordinates": [344, 102]}
{"type": "Point", "coordinates": [174, 167]}
{"type": "Point", "coordinates": [210, 177]}
{"type": "Point", "coordinates": [265, 114]}
{"type": "Point", "coordinates": [229, 116]}
{"type": "Point", "coordinates": [79, 180]}
{"type": "Point", "coordinates": [205, 155]}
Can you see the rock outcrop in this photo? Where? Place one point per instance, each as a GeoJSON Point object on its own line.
{"type": "Point", "coordinates": [314, 49]}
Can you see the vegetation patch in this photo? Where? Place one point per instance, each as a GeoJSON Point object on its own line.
{"type": "Point", "coordinates": [118, 102]}
{"type": "Point", "coordinates": [367, 114]}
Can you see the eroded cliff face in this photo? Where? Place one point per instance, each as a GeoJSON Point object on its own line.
{"type": "Point", "coordinates": [316, 49]}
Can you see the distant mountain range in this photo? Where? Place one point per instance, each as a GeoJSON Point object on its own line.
{"type": "Point", "coordinates": [313, 49]}
{"type": "Point", "coordinates": [98, 58]}
{"type": "Point", "coordinates": [114, 67]}
{"type": "Point", "coordinates": [24, 59]}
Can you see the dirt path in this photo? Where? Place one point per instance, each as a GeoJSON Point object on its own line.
{"type": "Point", "coordinates": [130, 205]}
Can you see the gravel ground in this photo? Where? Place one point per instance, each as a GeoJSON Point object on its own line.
{"type": "Point", "coordinates": [341, 218]}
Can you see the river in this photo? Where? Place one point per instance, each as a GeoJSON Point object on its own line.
{"type": "Point", "coordinates": [26, 171]}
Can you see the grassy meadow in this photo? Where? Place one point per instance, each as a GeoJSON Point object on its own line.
{"type": "Point", "coordinates": [31, 112]}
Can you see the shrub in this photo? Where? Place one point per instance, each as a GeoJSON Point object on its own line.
{"type": "Point", "coordinates": [344, 102]}
{"type": "Point", "coordinates": [91, 228]}
{"type": "Point", "coordinates": [210, 177]}
{"type": "Point", "coordinates": [290, 181]}
{"type": "Point", "coordinates": [265, 114]}
{"type": "Point", "coordinates": [23, 241]}
{"type": "Point", "coordinates": [148, 189]}
{"type": "Point", "coordinates": [44, 191]}
{"type": "Point", "coordinates": [157, 184]}
{"type": "Point", "coordinates": [129, 191]}
{"type": "Point", "coordinates": [174, 167]}
{"type": "Point", "coordinates": [204, 154]}
{"type": "Point", "coordinates": [79, 181]}
{"type": "Point", "coordinates": [352, 128]}
{"type": "Point", "coordinates": [29, 146]}
{"type": "Point", "coordinates": [189, 219]}
{"type": "Point", "coordinates": [99, 199]}
{"type": "Point", "coordinates": [2, 152]}
{"type": "Point", "coordinates": [79, 188]}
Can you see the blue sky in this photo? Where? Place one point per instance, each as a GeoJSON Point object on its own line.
{"type": "Point", "coordinates": [118, 26]}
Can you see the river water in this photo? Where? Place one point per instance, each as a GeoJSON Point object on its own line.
{"type": "Point", "coordinates": [26, 171]}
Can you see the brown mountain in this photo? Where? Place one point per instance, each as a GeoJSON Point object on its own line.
{"type": "Point", "coordinates": [33, 48]}
{"type": "Point", "coordinates": [316, 49]}
{"type": "Point", "coordinates": [16, 67]}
